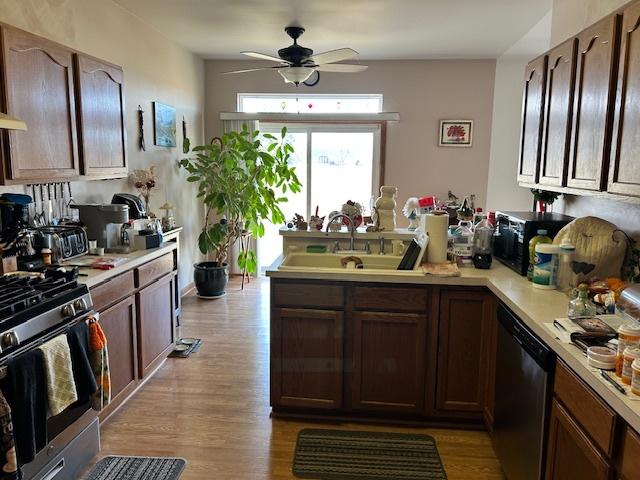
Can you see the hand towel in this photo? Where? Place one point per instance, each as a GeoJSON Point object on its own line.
{"type": "Point", "coordinates": [61, 386]}
{"type": "Point", "coordinates": [78, 338]}
{"type": "Point", "coordinates": [26, 393]}
{"type": "Point", "coordinates": [8, 461]}
{"type": "Point", "coordinates": [99, 359]}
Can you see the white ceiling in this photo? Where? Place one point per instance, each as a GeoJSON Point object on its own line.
{"type": "Point", "coordinates": [378, 29]}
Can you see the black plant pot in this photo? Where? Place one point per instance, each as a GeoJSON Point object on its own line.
{"type": "Point", "coordinates": [210, 279]}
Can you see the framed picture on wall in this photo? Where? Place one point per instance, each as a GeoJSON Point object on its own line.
{"type": "Point", "coordinates": [164, 125]}
{"type": "Point", "coordinates": [456, 133]}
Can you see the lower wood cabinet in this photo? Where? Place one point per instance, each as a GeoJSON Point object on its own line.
{"type": "Point", "coordinates": [570, 453]}
{"type": "Point", "coordinates": [465, 325]}
{"type": "Point", "coordinates": [389, 361]}
{"type": "Point", "coordinates": [119, 325]}
{"type": "Point", "coordinates": [156, 324]}
{"type": "Point", "coordinates": [306, 358]}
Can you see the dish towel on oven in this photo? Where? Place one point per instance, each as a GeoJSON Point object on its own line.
{"type": "Point", "coordinates": [27, 394]}
{"type": "Point", "coordinates": [8, 460]}
{"type": "Point", "coordinates": [78, 338]}
{"type": "Point", "coordinates": [61, 386]}
{"type": "Point", "coordinates": [99, 358]}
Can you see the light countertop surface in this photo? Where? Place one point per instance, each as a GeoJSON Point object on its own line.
{"type": "Point", "coordinates": [534, 306]}
{"type": "Point", "coordinates": [132, 260]}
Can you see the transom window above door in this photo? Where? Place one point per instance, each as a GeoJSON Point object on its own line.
{"type": "Point", "coordinates": [309, 103]}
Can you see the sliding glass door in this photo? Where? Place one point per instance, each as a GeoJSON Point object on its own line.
{"type": "Point", "coordinates": [335, 163]}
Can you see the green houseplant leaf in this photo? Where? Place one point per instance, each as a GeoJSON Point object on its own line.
{"type": "Point", "coordinates": [242, 178]}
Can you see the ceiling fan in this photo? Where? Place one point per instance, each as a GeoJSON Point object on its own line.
{"type": "Point", "coordinates": [297, 63]}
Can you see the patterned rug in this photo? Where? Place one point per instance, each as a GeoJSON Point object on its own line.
{"type": "Point", "coordinates": [137, 468]}
{"type": "Point", "coordinates": [350, 455]}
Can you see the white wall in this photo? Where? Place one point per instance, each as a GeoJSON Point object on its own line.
{"type": "Point", "coordinates": [423, 92]}
{"type": "Point", "coordinates": [503, 192]}
{"type": "Point", "coordinates": [155, 68]}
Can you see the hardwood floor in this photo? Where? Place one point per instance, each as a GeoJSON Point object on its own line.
{"type": "Point", "coordinates": [213, 408]}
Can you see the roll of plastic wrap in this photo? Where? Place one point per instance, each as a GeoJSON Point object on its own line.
{"type": "Point", "coordinates": [437, 228]}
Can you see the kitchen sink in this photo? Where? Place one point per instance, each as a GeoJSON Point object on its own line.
{"type": "Point", "coordinates": [333, 261]}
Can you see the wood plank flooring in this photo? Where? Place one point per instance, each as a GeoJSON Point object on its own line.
{"type": "Point", "coordinates": [213, 408]}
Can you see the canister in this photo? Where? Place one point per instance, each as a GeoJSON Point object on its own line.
{"type": "Point", "coordinates": [545, 269]}
{"type": "Point", "coordinates": [635, 379]}
{"type": "Point", "coordinates": [630, 355]}
{"type": "Point", "coordinates": [628, 336]}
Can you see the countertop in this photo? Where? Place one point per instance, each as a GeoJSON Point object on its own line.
{"type": "Point", "coordinates": [133, 260]}
{"type": "Point", "coordinates": [535, 307]}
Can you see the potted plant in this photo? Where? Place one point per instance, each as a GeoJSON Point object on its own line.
{"type": "Point", "coordinates": [544, 198]}
{"type": "Point", "coordinates": [242, 179]}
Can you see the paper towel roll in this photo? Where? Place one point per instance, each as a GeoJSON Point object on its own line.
{"type": "Point", "coordinates": [437, 227]}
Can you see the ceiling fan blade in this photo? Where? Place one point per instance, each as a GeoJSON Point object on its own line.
{"type": "Point", "coordinates": [247, 70]}
{"type": "Point", "coordinates": [264, 56]}
{"type": "Point", "coordinates": [333, 56]}
{"type": "Point", "coordinates": [341, 68]}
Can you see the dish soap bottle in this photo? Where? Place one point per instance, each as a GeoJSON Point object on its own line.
{"type": "Point", "coordinates": [541, 237]}
{"type": "Point", "coordinates": [581, 306]}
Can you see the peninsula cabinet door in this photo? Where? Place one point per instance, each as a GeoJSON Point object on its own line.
{"type": "Point", "coordinates": [624, 170]}
{"type": "Point", "coordinates": [570, 453]}
{"type": "Point", "coordinates": [101, 118]}
{"type": "Point", "coordinates": [464, 339]}
{"type": "Point", "coordinates": [39, 89]}
{"type": "Point", "coordinates": [119, 325]}
{"type": "Point", "coordinates": [156, 324]}
{"type": "Point", "coordinates": [306, 358]}
{"type": "Point", "coordinates": [561, 75]}
{"type": "Point", "coordinates": [593, 106]}
{"type": "Point", "coordinates": [532, 112]}
{"type": "Point", "coordinates": [389, 357]}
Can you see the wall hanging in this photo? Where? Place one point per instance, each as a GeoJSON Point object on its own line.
{"type": "Point", "coordinates": [456, 133]}
{"type": "Point", "coordinates": [141, 144]}
{"type": "Point", "coordinates": [164, 125]}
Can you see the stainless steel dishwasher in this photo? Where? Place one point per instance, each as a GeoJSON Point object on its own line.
{"type": "Point", "coordinates": [524, 376]}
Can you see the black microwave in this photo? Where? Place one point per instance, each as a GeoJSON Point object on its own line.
{"type": "Point", "coordinates": [514, 230]}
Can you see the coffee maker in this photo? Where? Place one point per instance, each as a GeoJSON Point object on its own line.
{"type": "Point", "coordinates": [104, 223]}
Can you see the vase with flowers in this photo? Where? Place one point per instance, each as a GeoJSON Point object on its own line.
{"type": "Point", "coordinates": [145, 180]}
{"type": "Point", "coordinates": [543, 199]}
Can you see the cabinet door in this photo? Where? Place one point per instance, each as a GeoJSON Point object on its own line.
{"type": "Point", "coordinates": [561, 74]}
{"type": "Point", "coordinates": [630, 456]}
{"type": "Point", "coordinates": [624, 169]}
{"type": "Point", "coordinates": [39, 89]}
{"type": "Point", "coordinates": [532, 110]}
{"type": "Point", "coordinates": [306, 358]}
{"type": "Point", "coordinates": [593, 105]}
{"type": "Point", "coordinates": [463, 338]}
{"type": "Point", "coordinates": [570, 453]}
{"type": "Point", "coordinates": [388, 361]}
{"type": "Point", "coordinates": [119, 325]}
{"type": "Point", "coordinates": [490, 354]}
{"type": "Point", "coordinates": [156, 324]}
{"type": "Point", "coordinates": [101, 118]}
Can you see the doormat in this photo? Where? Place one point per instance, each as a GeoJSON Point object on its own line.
{"type": "Point", "coordinates": [356, 455]}
{"type": "Point", "coordinates": [138, 468]}
{"type": "Point", "coordinates": [185, 347]}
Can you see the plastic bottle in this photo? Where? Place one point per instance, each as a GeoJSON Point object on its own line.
{"type": "Point", "coordinates": [541, 237]}
{"type": "Point", "coordinates": [565, 273]}
{"type": "Point", "coordinates": [581, 306]}
{"type": "Point", "coordinates": [545, 269]}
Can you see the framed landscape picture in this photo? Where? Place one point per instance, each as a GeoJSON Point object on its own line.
{"type": "Point", "coordinates": [456, 133]}
{"type": "Point", "coordinates": [164, 125]}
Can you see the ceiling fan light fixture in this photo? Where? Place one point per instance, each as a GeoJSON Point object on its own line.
{"type": "Point", "coordinates": [296, 74]}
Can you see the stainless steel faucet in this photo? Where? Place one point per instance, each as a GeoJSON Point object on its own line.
{"type": "Point", "coordinates": [352, 228]}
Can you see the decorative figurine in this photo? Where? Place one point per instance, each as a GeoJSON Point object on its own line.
{"type": "Point", "coordinates": [353, 210]}
{"type": "Point", "coordinates": [410, 211]}
{"type": "Point", "coordinates": [316, 221]}
{"type": "Point", "coordinates": [299, 222]}
{"type": "Point", "coordinates": [465, 212]}
{"type": "Point", "coordinates": [385, 212]}
{"type": "Point", "coordinates": [168, 220]}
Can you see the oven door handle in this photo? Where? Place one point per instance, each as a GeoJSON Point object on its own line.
{"type": "Point", "coordinates": [53, 473]}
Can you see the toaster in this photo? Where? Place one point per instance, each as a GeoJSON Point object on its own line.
{"type": "Point", "coordinates": [65, 241]}
{"type": "Point", "coordinates": [136, 206]}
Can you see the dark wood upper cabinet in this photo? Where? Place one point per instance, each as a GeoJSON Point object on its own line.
{"type": "Point", "coordinates": [39, 89]}
{"type": "Point", "coordinates": [594, 104]}
{"type": "Point", "coordinates": [306, 358]}
{"type": "Point", "coordinates": [532, 112]}
{"type": "Point", "coordinates": [388, 361]}
{"type": "Point", "coordinates": [101, 118]}
{"type": "Point", "coordinates": [624, 174]}
{"type": "Point", "coordinates": [561, 74]}
{"type": "Point", "coordinates": [464, 342]}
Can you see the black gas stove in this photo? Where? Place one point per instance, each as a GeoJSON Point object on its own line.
{"type": "Point", "coordinates": [33, 305]}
